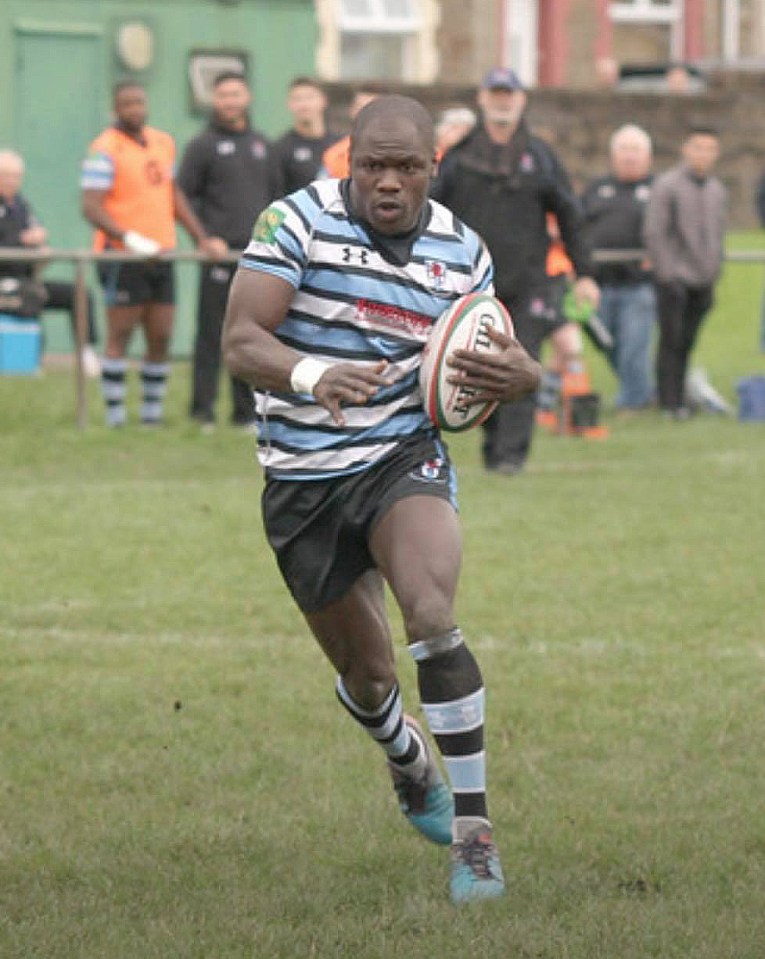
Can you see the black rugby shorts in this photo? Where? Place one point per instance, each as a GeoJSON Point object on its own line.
{"type": "Point", "coordinates": [320, 529]}
{"type": "Point", "coordinates": [133, 283]}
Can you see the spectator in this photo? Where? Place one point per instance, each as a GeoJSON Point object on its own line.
{"type": "Point", "coordinates": [502, 181]}
{"type": "Point", "coordinates": [452, 126]}
{"type": "Point", "coordinates": [229, 172]}
{"type": "Point", "coordinates": [130, 196]}
{"type": "Point", "coordinates": [614, 208]}
{"type": "Point", "coordinates": [607, 73]}
{"type": "Point", "coordinates": [684, 231]}
{"type": "Point", "coordinates": [358, 485]}
{"type": "Point", "coordinates": [677, 79]}
{"type": "Point", "coordinates": [20, 227]}
{"type": "Point", "coordinates": [760, 201]}
{"type": "Point", "coordinates": [336, 159]}
{"type": "Point", "coordinates": [300, 150]}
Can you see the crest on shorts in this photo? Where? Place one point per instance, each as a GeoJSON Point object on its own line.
{"type": "Point", "coordinates": [431, 469]}
{"type": "Point", "coordinates": [436, 271]}
{"type": "Point", "coordinates": [267, 224]}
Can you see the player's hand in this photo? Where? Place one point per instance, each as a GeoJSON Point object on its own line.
{"type": "Point", "coordinates": [507, 375]}
{"type": "Point", "coordinates": [138, 243]}
{"type": "Point", "coordinates": [34, 236]}
{"type": "Point", "coordinates": [586, 290]}
{"type": "Point", "coordinates": [347, 384]}
{"type": "Point", "coordinates": [213, 247]}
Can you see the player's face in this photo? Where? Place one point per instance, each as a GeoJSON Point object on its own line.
{"type": "Point", "coordinates": [391, 167]}
{"type": "Point", "coordinates": [700, 152]}
{"type": "Point", "coordinates": [11, 176]}
{"type": "Point", "coordinates": [230, 101]}
{"type": "Point", "coordinates": [130, 107]}
{"type": "Point", "coordinates": [306, 103]}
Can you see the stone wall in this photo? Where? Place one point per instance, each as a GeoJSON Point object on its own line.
{"type": "Point", "coordinates": [580, 124]}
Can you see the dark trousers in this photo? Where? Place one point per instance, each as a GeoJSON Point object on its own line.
{"type": "Point", "coordinates": [681, 310]}
{"type": "Point", "coordinates": [61, 297]}
{"type": "Point", "coordinates": [214, 283]}
{"type": "Point", "coordinates": [508, 432]}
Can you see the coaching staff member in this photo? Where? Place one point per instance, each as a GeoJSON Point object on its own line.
{"type": "Point", "coordinates": [327, 318]}
{"type": "Point", "coordinates": [502, 181]}
{"type": "Point", "coordinates": [130, 195]}
{"type": "Point", "coordinates": [229, 173]}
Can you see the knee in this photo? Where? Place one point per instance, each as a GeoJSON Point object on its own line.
{"type": "Point", "coordinates": [428, 615]}
{"type": "Point", "coordinates": [369, 681]}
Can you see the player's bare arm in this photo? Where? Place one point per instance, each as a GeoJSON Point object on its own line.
{"type": "Point", "coordinates": [508, 375]}
{"type": "Point", "coordinates": [258, 303]}
{"type": "Point", "coordinates": [93, 210]}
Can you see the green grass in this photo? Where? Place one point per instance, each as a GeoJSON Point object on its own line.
{"type": "Point", "coordinates": [176, 779]}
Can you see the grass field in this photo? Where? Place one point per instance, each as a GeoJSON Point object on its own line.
{"type": "Point", "coordinates": [176, 779]}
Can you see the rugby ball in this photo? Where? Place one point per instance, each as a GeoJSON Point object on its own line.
{"type": "Point", "coordinates": [461, 327]}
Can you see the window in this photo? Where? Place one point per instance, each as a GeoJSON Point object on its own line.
{"type": "Point", "coordinates": [378, 39]}
{"type": "Point", "coordinates": [645, 11]}
{"type": "Point", "coordinates": [660, 23]}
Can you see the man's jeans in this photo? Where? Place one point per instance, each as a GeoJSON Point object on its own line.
{"type": "Point", "coordinates": [629, 313]}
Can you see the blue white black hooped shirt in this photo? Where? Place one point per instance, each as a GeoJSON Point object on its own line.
{"type": "Point", "coordinates": [354, 304]}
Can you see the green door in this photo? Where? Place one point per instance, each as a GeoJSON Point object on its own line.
{"type": "Point", "coordinates": [58, 112]}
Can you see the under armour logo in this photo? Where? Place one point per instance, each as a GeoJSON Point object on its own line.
{"type": "Point", "coordinates": [349, 254]}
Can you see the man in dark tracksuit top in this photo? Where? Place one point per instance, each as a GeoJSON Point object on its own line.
{"type": "Point", "coordinates": [502, 182]}
{"type": "Point", "coordinates": [300, 149]}
{"type": "Point", "coordinates": [229, 174]}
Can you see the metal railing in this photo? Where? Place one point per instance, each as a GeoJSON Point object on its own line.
{"type": "Point", "coordinates": [81, 258]}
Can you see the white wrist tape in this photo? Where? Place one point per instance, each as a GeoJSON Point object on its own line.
{"type": "Point", "coordinates": [306, 374]}
{"type": "Point", "coordinates": [138, 243]}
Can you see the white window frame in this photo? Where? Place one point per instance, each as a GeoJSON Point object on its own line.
{"type": "Point", "coordinates": [378, 20]}
{"type": "Point", "coordinates": [417, 31]}
{"type": "Point", "coordinates": [521, 40]}
{"type": "Point", "coordinates": [639, 12]}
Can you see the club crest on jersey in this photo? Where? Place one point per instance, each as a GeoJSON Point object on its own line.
{"type": "Point", "coordinates": [258, 150]}
{"type": "Point", "coordinates": [436, 271]}
{"type": "Point", "coordinates": [430, 471]}
{"type": "Point", "coordinates": [527, 163]}
{"type": "Point", "coordinates": [267, 224]}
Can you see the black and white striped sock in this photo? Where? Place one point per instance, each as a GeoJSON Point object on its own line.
{"type": "Point", "coordinates": [154, 379]}
{"type": "Point", "coordinates": [452, 692]}
{"type": "Point", "coordinates": [114, 390]}
{"type": "Point", "coordinates": [386, 726]}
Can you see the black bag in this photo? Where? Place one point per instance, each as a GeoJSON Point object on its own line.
{"type": "Point", "coordinates": [22, 296]}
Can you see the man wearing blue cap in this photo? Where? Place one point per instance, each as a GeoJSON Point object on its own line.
{"type": "Point", "coordinates": [502, 182]}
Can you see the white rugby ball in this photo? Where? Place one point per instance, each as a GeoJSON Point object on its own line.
{"type": "Point", "coordinates": [460, 327]}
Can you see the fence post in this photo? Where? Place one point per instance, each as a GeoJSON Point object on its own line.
{"type": "Point", "coordinates": [80, 337]}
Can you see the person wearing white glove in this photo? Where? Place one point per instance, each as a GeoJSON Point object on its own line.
{"type": "Point", "coordinates": [130, 196]}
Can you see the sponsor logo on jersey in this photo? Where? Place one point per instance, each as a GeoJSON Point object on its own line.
{"type": "Point", "coordinates": [350, 255]}
{"type": "Point", "coordinates": [302, 154]}
{"type": "Point", "coordinates": [643, 193]}
{"type": "Point", "coordinates": [226, 147]}
{"type": "Point", "coordinates": [386, 317]}
{"type": "Point", "coordinates": [267, 224]}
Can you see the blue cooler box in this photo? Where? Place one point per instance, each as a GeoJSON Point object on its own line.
{"type": "Point", "coordinates": [20, 345]}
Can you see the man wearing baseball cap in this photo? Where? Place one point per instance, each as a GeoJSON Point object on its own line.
{"type": "Point", "coordinates": [502, 182]}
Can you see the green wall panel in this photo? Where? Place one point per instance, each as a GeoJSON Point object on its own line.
{"type": "Point", "coordinates": [58, 61]}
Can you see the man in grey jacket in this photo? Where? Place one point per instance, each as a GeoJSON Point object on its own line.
{"type": "Point", "coordinates": [684, 231]}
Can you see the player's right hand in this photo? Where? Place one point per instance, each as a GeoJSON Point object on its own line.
{"type": "Point", "coordinates": [138, 243]}
{"type": "Point", "coordinates": [347, 384]}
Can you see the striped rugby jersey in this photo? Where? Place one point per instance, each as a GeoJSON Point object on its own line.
{"type": "Point", "coordinates": [352, 304]}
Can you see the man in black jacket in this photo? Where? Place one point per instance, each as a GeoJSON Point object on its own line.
{"type": "Point", "coordinates": [19, 227]}
{"type": "Point", "coordinates": [760, 202]}
{"type": "Point", "coordinates": [614, 209]}
{"type": "Point", "coordinates": [229, 173]}
{"type": "Point", "coordinates": [502, 181]}
{"type": "Point", "coordinates": [301, 148]}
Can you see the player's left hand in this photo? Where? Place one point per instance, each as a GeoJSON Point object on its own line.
{"type": "Point", "coordinates": [213, 247]}
{"type": "Point", "coordinates": [507, 375]}
{"type": "Point", "coordinates": [586, 290]}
